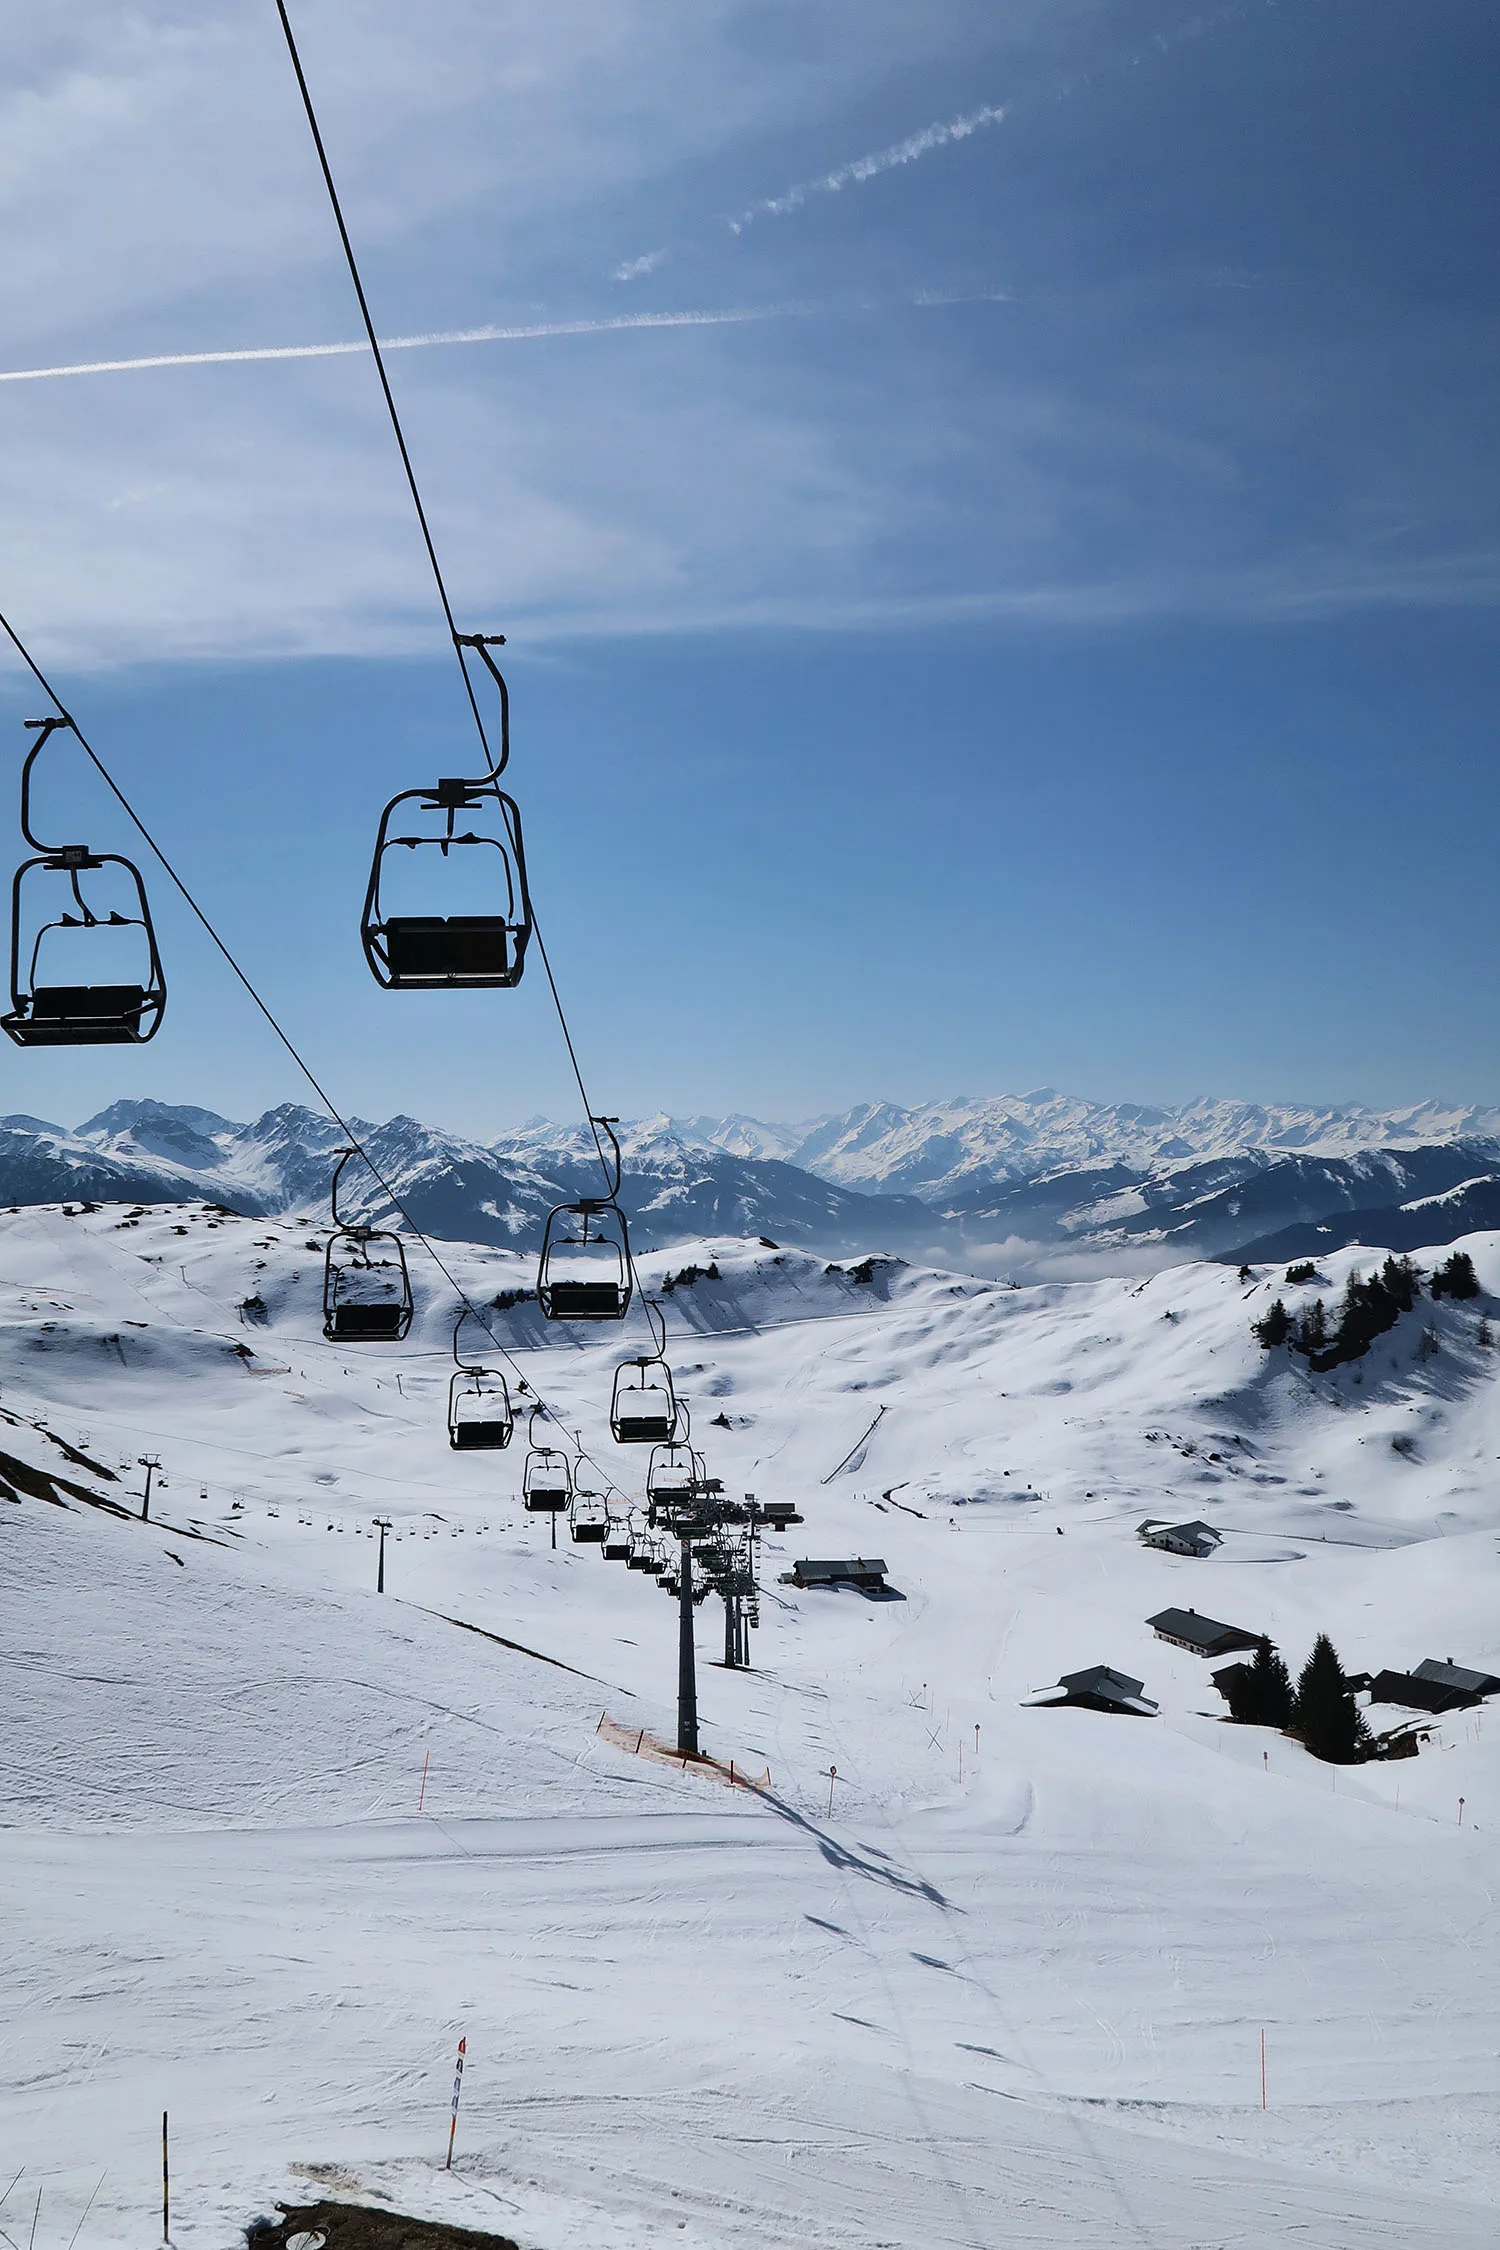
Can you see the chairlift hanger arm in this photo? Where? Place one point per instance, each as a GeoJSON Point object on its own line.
{"type": "Point", "coordinates": [353, 1227]}
{"type": "Point", "coordinates": [482, 643]}
{"type": "Point", "coordinates": [44, 730]}
{"type": "Point", "coordinates": [608, 1124]}
{"type": "Point", "coordinates": [466, 1312]}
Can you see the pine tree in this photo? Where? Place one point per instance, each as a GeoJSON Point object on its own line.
{"type": "Point", "coordinates": [1260, 1693]}
{"type": "Point", "coordinates": [1456, 1277]}
{"type": "Point", "coordinates": [1403, 1282]}
{"type": "Point", "coordinates": [1369, 1309]}
{"type": "Point", "coordinates": [1312, 1329]}
{"type": "Point", "coordinates": [1272, 1686]}
{"type": "Point", "coordinates": [1325, 1715]}
{"type": "Point", "coordinates": [1274, 1328]}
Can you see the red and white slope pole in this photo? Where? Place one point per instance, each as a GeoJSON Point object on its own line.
{"type": "Point", "coordinates": [458, 2080]}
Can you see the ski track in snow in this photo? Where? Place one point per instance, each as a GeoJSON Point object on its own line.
{"type": "Point", "coordinates": [1019, 2006]}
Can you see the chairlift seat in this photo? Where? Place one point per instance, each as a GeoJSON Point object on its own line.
{"type": "Point", "coordinates": [586, 1300]}
{"type": "Point", "coordinates": [547, 1499]}
{"type": "Point", "coordinates": [586, 1534]}
{"type": "Point", "coordinates": [80, 1015]}
{"type": "Point", "coordinates": [363, 1324]}
{"type": "Point", "coordinates": [651, 1427]}
{"type": "Point", "coordinates": [454, 949]}
{"type": "Point", "coordinates": [481, 1437]}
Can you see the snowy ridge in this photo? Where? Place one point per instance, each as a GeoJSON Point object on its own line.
{"type": "Point", "coordinates": [944, 1150]}
{"type": "Point", "coordinates": [1011, 1989]}
{"type": "Point", "coordinates": [454, 1188]}
{"type": "Point", "coordinates": [681, 1183]}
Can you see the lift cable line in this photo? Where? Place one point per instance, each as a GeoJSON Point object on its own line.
{"type": "Point", "coordinates": [460, 640]}
{"type": "Point", "coordinates": [385, 384]}
{"type": "Point", "coordinates": [243, 979]}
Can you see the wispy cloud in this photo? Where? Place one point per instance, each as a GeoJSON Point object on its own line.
{"type": "Point", "coordinates": [635, 269]}
{"type": "Point", "coordinates": [727, 316]}
{"type": "Point", "coordinates": [862, 168]}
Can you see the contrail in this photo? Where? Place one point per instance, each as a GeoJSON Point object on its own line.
{"type": "Point", "coordinates": [728, 316]}
{"type": "Point", "coordinates": [867, 167]}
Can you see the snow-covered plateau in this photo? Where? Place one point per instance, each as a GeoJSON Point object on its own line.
{"type": "Point", "coordinates": [958, 1971]}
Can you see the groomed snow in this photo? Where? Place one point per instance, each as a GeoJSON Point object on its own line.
{"type": "Point", "coordinates": [1019, 2003]}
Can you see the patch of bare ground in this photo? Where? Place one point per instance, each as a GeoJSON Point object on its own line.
{"type": "Point", "coordinates": [354, 2226]}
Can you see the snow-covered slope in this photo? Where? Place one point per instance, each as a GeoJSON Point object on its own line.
{"type": "Point", "coordinates": [1010, 1989]}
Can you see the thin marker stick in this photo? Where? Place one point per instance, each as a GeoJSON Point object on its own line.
{"type": "Point", "coordinates": [458, 2080]}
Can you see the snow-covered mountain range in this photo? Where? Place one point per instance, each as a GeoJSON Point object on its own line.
{"type": "Point", "coordinates": [949, 1152]}
{"type": "Point", "coordinates": [1002, 1185]}
{"type": "Point", "coordinates": [454, 1188]}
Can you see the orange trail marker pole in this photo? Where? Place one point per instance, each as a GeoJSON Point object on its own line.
{"type": "Point", "coordinates": [1460, 1812]}
{"type": "Point", "coordinates": [166, 2184]}
{"type": "Point", "coordinates": [422, 1795]}
{"type": "Point", "coordinates": [458, 2080]}
{"type": "Point", "coordinates": [833, 1774]}
{"type": "Point", "coordinates": [1262, 2070]}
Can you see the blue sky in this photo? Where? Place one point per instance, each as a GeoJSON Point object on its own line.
{"type": "Point", "coordinates": [1046, 635]}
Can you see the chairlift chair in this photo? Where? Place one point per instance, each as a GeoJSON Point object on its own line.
{"type": "Point", "coordinates": [366, 1288]}
{"type": "Point", "coordinates": [585, 1270]}
{"type": "Point", "coordinates": [48, 900]}
{"type": "Point", "coordinates": [425, 952]}
{"type": "Point", "coordinates": [673, 1474]}
{"type": "Point", "coordinates": [617, 1540]}
{"type": "Point", "coordinates": [643, 1407]}
{"type": "Point", "coordinates": [479, 1410]}
{"type": "Point", "coordinates": [642, 1554]}
{"type": "Point", "coordinates": [588, 1519]}
{"type": "Point", "coordinates": [547, 1479]}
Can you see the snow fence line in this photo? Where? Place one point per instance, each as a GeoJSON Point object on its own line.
{"type": "Point", "coordinates": [640, 1742]}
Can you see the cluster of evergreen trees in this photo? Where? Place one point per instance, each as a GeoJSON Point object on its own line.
{"type": "Point", "coordinates": [1320, 1710]}
{"type": "Point", "coordinates": [1456, 1278]}
{"type": "Point", "coordinates": [1370, 1307]}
